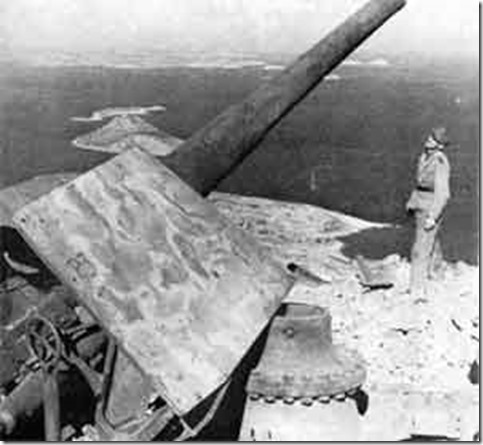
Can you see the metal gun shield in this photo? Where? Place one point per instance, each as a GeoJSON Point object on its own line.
{"type": "Point", "coordinates": [183, 291]}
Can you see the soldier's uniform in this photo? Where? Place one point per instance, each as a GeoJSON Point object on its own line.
{"type": "Point", "coordinates": [428, 201]}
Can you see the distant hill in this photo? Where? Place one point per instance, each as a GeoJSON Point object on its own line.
{"type": "Point", "coordinates": [126, 131]}
{"type": "Point", "coordinates": [109, 112]}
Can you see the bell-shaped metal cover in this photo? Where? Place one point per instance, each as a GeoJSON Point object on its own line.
{"type": "Point", "coordinates": [127, 131]}
{"type": "Point", "coordinates": [183, 290]}
{"type": "Point", "coordinates": [300, 361]}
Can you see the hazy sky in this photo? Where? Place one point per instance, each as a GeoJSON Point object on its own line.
{"type": "Point", "coordinates": [224, 26]}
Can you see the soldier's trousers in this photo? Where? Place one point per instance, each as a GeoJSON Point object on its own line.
{"type": "Point", "coordinates": [426, 254]}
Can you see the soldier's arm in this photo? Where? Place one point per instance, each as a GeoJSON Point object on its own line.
{"type": "Point", "coordinates": [441, 188]}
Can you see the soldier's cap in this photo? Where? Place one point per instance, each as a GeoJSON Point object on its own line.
{"type": "Point", "coordinates": [440, 136]}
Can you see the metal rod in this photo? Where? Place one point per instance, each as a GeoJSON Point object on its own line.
{"type": "Point", "coordinates": [51, 406]}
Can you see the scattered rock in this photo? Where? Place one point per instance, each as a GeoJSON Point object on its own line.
{"type": "Point", "coordinates": [474, 374]}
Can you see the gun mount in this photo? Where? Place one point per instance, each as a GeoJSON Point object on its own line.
{"type": "Point", "coordinates": [216, 150]}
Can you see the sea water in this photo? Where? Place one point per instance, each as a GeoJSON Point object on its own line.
{"type": "Point", "coordinates": [351, 146]}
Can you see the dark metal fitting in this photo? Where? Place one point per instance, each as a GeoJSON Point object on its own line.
{"type": "Point", "coordinates": [340, 397]}
{"type": "Point", "coordinates": [307, 401]}
{"type": "Point", "coordinates": [352, 392]}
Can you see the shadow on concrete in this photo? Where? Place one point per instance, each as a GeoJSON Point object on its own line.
{"type": "Point", "coordinates": [378, 243]}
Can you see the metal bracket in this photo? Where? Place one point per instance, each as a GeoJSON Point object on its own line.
{"type": "Point", "coordinates": [149, 424]}
{"type": "Point", "coordinates": [46, 344]}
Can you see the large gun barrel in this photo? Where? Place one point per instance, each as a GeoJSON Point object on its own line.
{"type": "Point", "coordinates": [212, 153]}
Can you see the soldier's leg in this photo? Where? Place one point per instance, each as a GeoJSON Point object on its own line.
{"type": "Point", "coordinates": [421, 254]}
{"type": "Point", "coordinates": [436, 262]}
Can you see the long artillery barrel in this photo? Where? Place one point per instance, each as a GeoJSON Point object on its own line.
{"type": "Point", "coordinates": [212, 153]}
{"type": "Point", "coordinates": [215, 151]}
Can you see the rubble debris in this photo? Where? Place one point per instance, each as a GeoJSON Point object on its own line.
{"type": "Point", "coordinates": [404, 343]}
{"type": "Point", "coordinates": [378, 274]}
{"type": "Point", "coordinates": [474, 373]}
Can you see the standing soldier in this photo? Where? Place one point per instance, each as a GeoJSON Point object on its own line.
{"type": "Point", "coordinates": [427, 203]}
